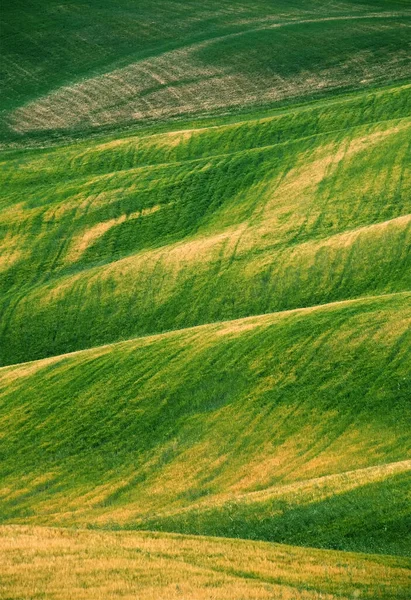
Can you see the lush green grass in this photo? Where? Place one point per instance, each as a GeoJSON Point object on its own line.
{"type": "Point", "coordinates": [215, 278]}
{"type": "Point", "coordinates": [60, 564]}
{"type": "Point", "coordinates": [81, 66]}
{"type": "Point", "coordinates": [371, 517]}
{"type": "Point", "coordinates": [144, 234]}
{"type": "Point", "coordinates": [120, 435]}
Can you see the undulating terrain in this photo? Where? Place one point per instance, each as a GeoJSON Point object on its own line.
{"type": "Point", "coordinates": [205, 300]}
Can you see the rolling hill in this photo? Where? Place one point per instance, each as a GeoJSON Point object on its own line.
{"type": "Point", "coordinates": [205, 300]}
{"type": "Point", "coordinates": [204, 417]}
{"type": "Point", "coordinates": [134, 236]}
{"type": "Point", "coordinates": [84, 66]}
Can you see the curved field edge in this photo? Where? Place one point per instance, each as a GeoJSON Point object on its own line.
{"type": "Point", "coordinates": [57, 562]}
{"type": "Point", "coordinates": [118, 34]}
{"type": "Point", "coordinates": [366, 510]}
{"type": "Point", "coordinates": [123, 434]}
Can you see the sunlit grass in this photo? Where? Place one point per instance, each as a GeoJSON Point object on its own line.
{"type": "Point", "coordinates": [113, 240]}
{"type": "Point", "coordinates": [131, 63]}
{"type": "Point", "coordinates": [128, 435]}
{"type": "Point", "coordinates": [205, 300]}
{"type": "Point", "coordinates": [56, 563]}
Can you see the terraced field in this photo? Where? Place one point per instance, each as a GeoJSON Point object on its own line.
{"type": "Point", "coordinates": [205, 300]}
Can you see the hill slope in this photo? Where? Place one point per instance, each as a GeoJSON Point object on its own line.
{"type": "Point", "coordinates": [121, 433]}
{"type": "Point", "coordinates": [144, 234]}
{"type": "Point", "coordinates": [90, 565]}
{"type": "Point", "coordinates": [205, 299]}
{"type": "Point", "coordinates": [81, 66]}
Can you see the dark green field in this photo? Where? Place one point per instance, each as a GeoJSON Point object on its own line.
{"type": "Point", "coordinates": [91, 65]}
{"type": "Point", "coordinates": [205, 300]}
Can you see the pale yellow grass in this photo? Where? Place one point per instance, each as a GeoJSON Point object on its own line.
{"type": "Point", "coordinates": [14, 373]}
{"type": "Point", "coordinates": [11, 250]}
{"type": "Point", "coordinates": [75, 565]}
{"type": "Point", "coordinates": [16, 213]}
{"type": "Point", "coordinates": [321, 488]}
{"type": "Point", "coordinates": [91, 235]}
{"type": "Point", "coordinates": [295, 193]}
{"type": "Point", "coordinates": [17, 372]}
{"type": "Point", "coordinates": [7, 259]}
{"type": "Point", "coordinates": [27, 483]}
{"type": "Point", "coordinates": [87, 238]}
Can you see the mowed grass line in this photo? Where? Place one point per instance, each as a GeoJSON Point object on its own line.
{"type": "Point", "coordinates": [82, 564]}
{"type": "Point", "coordinates": [53, 47]}
{"type": "Point", "coordinates": [242, 219]}
{"type": "Point", "coordinates": [125, 435]}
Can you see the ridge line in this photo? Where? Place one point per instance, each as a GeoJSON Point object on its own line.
{"type": "Point", "coordinates": [170, 332]}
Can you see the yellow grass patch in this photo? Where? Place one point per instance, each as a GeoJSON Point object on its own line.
{"type": "Point", "coordinates": [178, 82]}
{"type": "Point", "coordinates": [88, 565]}
{"type": "Point", "coordinates": [14, 373]}
{"type": "Point", "coordinates": [87, 239]}
{"type": "Point", "coordinates": [16, 213]}
{"type": "Point", "coordinates": [90, 236]}
{"type": "Point", "coordinates": [8, 259]}
{"type": "Point", "coordinates": [298, 188]}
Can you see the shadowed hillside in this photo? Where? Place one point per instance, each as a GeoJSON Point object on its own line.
{"type": "Point", "coordinates": [86, 65]}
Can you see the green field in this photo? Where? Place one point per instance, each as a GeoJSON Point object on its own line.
{"type": "Point", "coordinates": [108, 240]}
{"type": "Point", "coordinates": [83, 66]}
{"type": "Point", "coordinates": [131, 434]}
{"type": "Point", "coordinates": [205, 300]}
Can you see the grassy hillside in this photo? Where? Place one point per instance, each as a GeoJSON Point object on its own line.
{"type": "Point", "coordinates": [123, 434]}
{"type": "Point", "coordinates": [205, 299]}
{"type": "Point", "coordinates": [85, 65]}
{"type": "Point", "coordinates": [139, 235]}
{"type": "Point", "coordinates": [343, 512]}
{"type": "Point", "coordinates": [55, 563]}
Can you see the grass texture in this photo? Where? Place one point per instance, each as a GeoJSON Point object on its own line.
{"type": "Point", "coordinates": [124, 435]}
{"type": "Point", "coordinates": [205, 300]}
{"type": "Point", "coordinates": [89, 65]}
{"type": "Point", "coordinates": [128, 237]}
{"type": "Point", "coordinates": [61, 564]}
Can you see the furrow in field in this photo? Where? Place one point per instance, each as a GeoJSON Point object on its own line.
{"type": "Point", "coordinates": [196, 79]}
